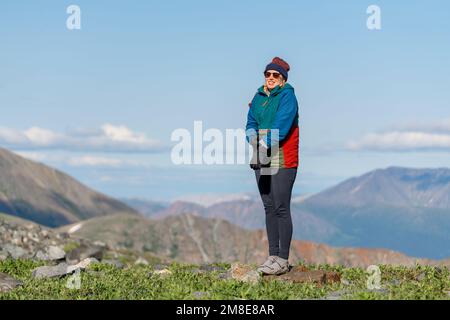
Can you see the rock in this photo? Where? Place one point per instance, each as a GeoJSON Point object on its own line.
{"type": "Point", "coordinates": [244, 273]}
{"type": "Point", "coordinates": [114, 262]}
{"type": "Point", "coordinates": [141, 260]}
{"type": "Point", "coordinates": [335, 295]}
{"type": "Point", "coordinates": [200, 294]}
{"type": "Point", "coordinates": [395, 282]}
{"type": "Point", "coordinates": [3, 255]}
{"type": "Point", "coordinates": [82, 265]}
{"type": "Point", "coordinates": [380, 290]}
{"type": "Point", "coordinates": [51, 253]}
{"type": "Point", "coordinates": [160, 266]}
{"type": "Point", "coordinates": [84, 251]}
{"type": "Point", "coordinates": [44, 233]}
{"type": "Point", "coordinates": [163, 273]}
{"type": "Point", "coordinates": [50, 271]}
{"type": "Point", "coordinates": [15, 252]}
{"type": "Point", "coordinates": [210, 268]}
{"type": "Point", "coordinates": [421, 276]}
{"type": "Point", "coordinates": [345, 282]}
{"type": "Point", "coordinates": [8, 283]}
{"type": "Point", "coordinates": [61, 269]}
{"type": "Point", "coordinates": [100, 244]}
{"type": "Point", "coordinates": [62, 236]}
{"type": "Point", "coordinates": [300, 275]}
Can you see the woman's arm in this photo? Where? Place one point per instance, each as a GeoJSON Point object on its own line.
{"type": "Point", "coordinates": [286, 114]}
{"type": "Point", "coordinates": [251, 128]}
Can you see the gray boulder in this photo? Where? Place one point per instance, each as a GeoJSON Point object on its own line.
{"type": "Point", "coordinates": [8, 283]}
{"type": "Point", "coordinates": [85, 251]}
{"type": "Point", "coordinates": [51, 253]}
{"type": "Point", "coordinates": [15, 252]}
{"type": "Point", "coordinates": [61, 269]}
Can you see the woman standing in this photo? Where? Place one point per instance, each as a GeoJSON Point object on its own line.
{"type": "Point", "coordinates": [272, 129]}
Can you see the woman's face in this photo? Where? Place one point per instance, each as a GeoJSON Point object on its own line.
{"type": "Point", "coordinates": [275, 78]}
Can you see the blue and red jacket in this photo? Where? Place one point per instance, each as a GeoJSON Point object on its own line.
{"type": "Point", "coordinates": [276, 110]}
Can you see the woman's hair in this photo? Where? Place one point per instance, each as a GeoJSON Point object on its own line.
{"type": "Point", "coordinates": [283, 82]}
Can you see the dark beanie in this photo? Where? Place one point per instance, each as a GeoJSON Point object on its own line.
{"type": "Point", "coordinates": [279, 65]}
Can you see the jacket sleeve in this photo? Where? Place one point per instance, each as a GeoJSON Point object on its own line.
{"type": "Point", "coordinates": [251, 128]}
{"type": "Point", "coordinates": [284, 118]}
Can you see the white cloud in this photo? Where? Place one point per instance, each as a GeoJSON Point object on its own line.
{"type": "Point", "coordinates": [84, 160]}
{"type": "Point", "coordinates": [108, 138]}
{"type": "Point", "coordinates": [412, 137]}
{"type": "Point", "coordinates": [92, 161]}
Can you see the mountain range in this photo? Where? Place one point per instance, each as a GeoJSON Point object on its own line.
{"type": "Point", "coordinates": [400, 209]}
{"type": "Point", "coordinates": [193, 239]}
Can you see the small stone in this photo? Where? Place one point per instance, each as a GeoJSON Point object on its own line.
{"type": "Point", "coordinates": [84, 251]}
{"type": "Point", "coordinates": [395, 282]}
{"type": "Point", "coordinates": [379, 290]}
{"type": "Point", "coordinates": [200, 294]}
{"type": "Point", "coordinates": [162, 273]}
{"type": "Point", "coordinates": [3, 255]}
{"type": "Point", "coordinates": [210, 268]}
{"type": "Point", "coordinates": [335, 295]}
{"type": "Point", "coordinates": [244, 273]}
{"type": "Point", "coordinates": [345, 282]}
{"type": "Point", "coordinates": [82, 265]}
{"type": "Point", "coordinates": [50, 271]}
{"type": "Point", "coordinates": [160, 266]}
{"type": "Point", "coordinates": [61, 269]}
{"type": "Point", "coordinates": [99, 244]}
{"type": "Point", "coordinates": [141, 260]}
{"type": "Point", "coordinates": [15, 252]}
{"type": "Point", "coordinates": [44, 233]}
{"type": "Point", "coordinates": [224, 276]}
{"type": "Point", "coordinates": [8, 283]}
{"type": "Point", "coordinates": [421, 276]}
{"type": "Point", "coordinates": [114, 262]}
{"type": "Point", "coordinates": [51, 253]}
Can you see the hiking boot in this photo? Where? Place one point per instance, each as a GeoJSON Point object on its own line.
{"type": "Point", "coordinates": [263, 267]}
{"type": "Point", "coordinates": [280, 266]}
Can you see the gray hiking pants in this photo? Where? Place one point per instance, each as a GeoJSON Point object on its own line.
{"type": "Point", "coordinates": [276, 191]}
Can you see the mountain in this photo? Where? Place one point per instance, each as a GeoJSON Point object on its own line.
{"type": "Point", "coordinates": [47, 196]}
{"type": "Point", "coordinates": [193, 239]}
{"type": "Point", "coordinates": [394, 186]}
{"type": "Point", "coordinates": [180, 207]}
{"type": "Point", "coordinates": [146, 207]}
{"type": "Point", "coordinates": [397, 208]}
{"type": "Point", "coordinates": [401, 209]}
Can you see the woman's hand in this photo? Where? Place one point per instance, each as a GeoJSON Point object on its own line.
{"type": "Point", "coordinates": [261, 155]}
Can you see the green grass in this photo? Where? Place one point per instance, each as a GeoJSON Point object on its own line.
{"type": "Point", "coordinates": [102, 281]}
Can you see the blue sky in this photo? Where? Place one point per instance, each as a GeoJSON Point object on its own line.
{"type": "Point", "coordinates": [100, 103]}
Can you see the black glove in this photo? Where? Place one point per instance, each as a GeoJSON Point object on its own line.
{"type": "Point", "coordinates": [254, 161]}
{"type": "Point", "coordinates": [261, 156]}
{"type": "Point", "coordinates": [264, 157]}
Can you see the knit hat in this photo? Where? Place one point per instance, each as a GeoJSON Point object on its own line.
{"type": "Point", "coordinates": [279, 65]}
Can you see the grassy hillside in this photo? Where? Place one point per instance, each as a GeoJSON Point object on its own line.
{"type": "Point", "coordinates": [16, 220]}
{"type": "Point", "coordinates": [102, 281]}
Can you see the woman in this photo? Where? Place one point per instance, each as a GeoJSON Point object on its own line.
{"type": "Point", "coordinates": [272, 129]}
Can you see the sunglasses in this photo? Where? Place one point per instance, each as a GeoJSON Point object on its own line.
{"type": "Point", "coordinates": [275, 75]}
